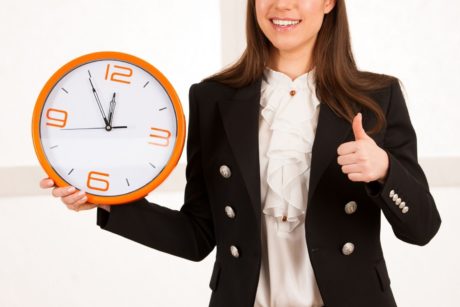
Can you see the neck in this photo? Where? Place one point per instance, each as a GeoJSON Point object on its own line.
{"type": "Point", "coordinates": [291, 62]}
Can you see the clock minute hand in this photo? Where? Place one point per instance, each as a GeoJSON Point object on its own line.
{"type": "Point", "coordinates": [96, 96]}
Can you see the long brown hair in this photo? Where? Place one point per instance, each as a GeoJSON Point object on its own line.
{"type": "Point", "coordinates": [338, 80]}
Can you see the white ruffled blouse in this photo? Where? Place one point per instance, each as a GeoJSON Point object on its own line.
{"type": "Point", "coordinates": [287, 126]}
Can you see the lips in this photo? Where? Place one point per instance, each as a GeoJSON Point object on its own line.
{"type": "Point", "coordinates": [284, 24]}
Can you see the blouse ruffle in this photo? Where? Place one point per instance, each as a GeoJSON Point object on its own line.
{"type": "Point", "coordinates": [292, 122]}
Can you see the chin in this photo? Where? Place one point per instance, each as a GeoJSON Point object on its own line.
{"type": "Point", "coordinates": [286, 46]}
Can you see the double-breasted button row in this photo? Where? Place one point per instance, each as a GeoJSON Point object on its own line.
{"type": "Point", "coordinates": [231, 214]}
{"type": "Point", "coordinates": [350, 208]}
{"type": "Point", "coordinates": [398, 201]}
{"type": "Point", "coordinates": [225, 171]}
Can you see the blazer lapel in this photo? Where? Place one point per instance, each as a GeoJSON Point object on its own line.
{"type": "Point", "coordinates": [331, 131]}
{"type": "Point", "coordinates": [240, 117]}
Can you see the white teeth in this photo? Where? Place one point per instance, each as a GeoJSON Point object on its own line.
{"type": "Point", "coordinates": [285, 22]}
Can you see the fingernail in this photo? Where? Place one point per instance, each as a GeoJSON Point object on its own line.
{"type": "Point", "coordinates": [81, 193]}
{"type": "Point", "coordinates": [84, 198]}
{"type": "Point", "coordinates": [70, 189]}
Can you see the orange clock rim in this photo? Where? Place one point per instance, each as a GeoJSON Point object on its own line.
{"type": "Point", "coordinates": [119, 56]}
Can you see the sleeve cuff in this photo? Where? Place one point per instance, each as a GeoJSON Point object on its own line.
{"type": "Point", "coordinates": [103, 216]}
{"type": "Point", "coordinates": [375, 188]}
{"type": "Point", "coordinates": [117, 212]}
{"type": "Point", "coordinates": [397, 181]}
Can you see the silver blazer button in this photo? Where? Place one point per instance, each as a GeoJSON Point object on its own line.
{"type": "Point", "coordinates": [225, 171]}
{"type": "Point", "coordinates": [234, 251]}
{"type": "Point", "coordinates": [351, 207]}
{"type": "Point", "coordinates": [402, 205]}
{"type": "Point", "coordinates": [229, 211]}
{"type": "Point", "coordinates": [392, 192]}
{"type": "Point", "coordinates": [348, 248]}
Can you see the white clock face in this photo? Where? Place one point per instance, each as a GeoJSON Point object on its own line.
{"type": "Point", "coordinates": [108, 127]}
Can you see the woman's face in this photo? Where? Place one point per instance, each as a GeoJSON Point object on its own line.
{"type": "Point", "coordinates": [291, 25]}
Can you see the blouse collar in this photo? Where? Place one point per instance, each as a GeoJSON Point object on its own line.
{"type": "Point", "coordinates": [278, 78]}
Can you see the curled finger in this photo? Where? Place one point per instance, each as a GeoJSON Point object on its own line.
{"type": "Point", "coordinates": [61, 192]}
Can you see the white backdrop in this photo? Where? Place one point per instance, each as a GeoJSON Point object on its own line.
{"type": "Point", "coordinates": [418, 42]}
{"type": "Point", "coordinates": [50, 256]}
{"type": "Point", "coordinates": [178, 37]}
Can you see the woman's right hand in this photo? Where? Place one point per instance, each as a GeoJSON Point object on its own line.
{"type": "Point", "coordinates": [70, 196]}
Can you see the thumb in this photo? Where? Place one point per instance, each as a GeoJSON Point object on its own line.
{"type": "Point", "coordinates": [358, 129]}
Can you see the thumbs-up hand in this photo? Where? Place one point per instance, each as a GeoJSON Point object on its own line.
{"type": "Point", "coordinates": [362, 159]}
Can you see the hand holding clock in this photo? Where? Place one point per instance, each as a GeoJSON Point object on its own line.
{"type": "Point", "coordinates": [73, 199]}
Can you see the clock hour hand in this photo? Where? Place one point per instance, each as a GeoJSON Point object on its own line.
{"type": "Point", "coordinates": [113, 103]}
{"type": "Point", "coordinates": [96, 96]}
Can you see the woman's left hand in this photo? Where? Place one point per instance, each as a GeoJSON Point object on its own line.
{"type": "Point", "coordinates": [362, 159]}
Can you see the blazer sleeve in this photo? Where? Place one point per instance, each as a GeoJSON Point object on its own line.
{"type": "Point", "coordinates": [405, 179]}
{"type": "Point", "coordinates": [187, 233]}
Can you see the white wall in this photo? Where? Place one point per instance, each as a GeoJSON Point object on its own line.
{"type": "Point", "coordinates": [417, 42]}
{"type": "Point", "coordinates": [180, 38]}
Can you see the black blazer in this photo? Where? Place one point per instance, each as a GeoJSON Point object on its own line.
{"type": "Point", "coordinates": [223, 130]}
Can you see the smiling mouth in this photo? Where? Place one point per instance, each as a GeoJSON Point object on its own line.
{"type": "Point", "coordinates": [284, 22]}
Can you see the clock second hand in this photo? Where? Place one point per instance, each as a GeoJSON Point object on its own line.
{"type": "Point", "coordinates": [114, 127]}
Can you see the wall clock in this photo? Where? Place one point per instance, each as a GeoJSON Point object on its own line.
{"type": "Point", "coordinates": [108, 123]}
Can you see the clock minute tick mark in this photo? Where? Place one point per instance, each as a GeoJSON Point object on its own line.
{"type": "Point", "coordinates": [162, 109]}
{"type": "Point", "coordinates": [52, 147]}
{"type": "Point", "coordinates": [70, 171]}
{"type": "Point", "coordinates": [127, 182]}
{"type": "Point", "coordinates": [64, 90]}
{"type": "Point", "coordinates": [146, 84]}
{"type": "Point", "coordinates": [152, 165]}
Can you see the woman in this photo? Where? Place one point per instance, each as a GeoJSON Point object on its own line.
{"type": "Point", "coordinates": [279, 132]}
